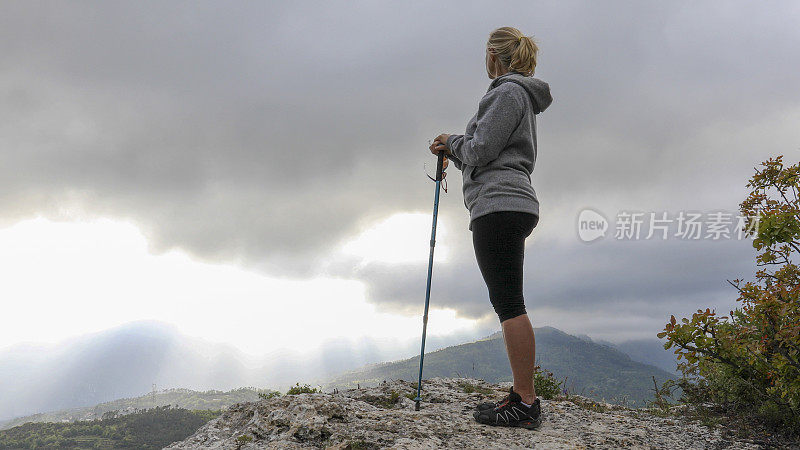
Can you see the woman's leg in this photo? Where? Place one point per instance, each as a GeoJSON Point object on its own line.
{"type": "Point", "coordinates": [499, 241]}
{"type": "Point", "coordinates": [521, 349]}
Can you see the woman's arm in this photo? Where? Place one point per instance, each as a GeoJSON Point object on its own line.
{"type": "Point", "coordinates": [459, 165]}
{"type": "Point", "coordinates": [499, 113]}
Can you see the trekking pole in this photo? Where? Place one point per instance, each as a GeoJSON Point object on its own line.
{"type": "Point", "coordinates": [438, 181]}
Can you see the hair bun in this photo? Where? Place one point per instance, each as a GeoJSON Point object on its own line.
{"type": "Point", "coordinates": [506, 44]}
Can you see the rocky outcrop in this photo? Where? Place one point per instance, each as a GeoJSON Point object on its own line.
{"type": "Point", "coordinates": [384, 417]}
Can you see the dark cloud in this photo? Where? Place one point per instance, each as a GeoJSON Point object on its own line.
{"type": "Point", "coordinates": [264, 134]}
{"type": "Point", "coordinates": [644, 278]}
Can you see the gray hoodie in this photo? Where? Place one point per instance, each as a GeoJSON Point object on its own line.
{"type": "Point", "coordinates": [497, 153]}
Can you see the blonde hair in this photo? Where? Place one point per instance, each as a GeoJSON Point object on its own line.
{"type": "Point", "coordinates": [515, 51]}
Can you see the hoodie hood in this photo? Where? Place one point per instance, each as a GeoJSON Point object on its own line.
{"type": "Point", "coordinates": [538, 90]}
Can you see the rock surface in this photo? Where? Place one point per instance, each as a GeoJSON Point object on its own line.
{"type": "Point", "coordinates": [373, 418]}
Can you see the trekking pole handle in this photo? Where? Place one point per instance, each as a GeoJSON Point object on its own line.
{"type": "Point", "coordinates": [439, 165]}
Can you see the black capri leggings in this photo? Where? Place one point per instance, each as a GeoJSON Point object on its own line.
{"type": "Point", "coordinates": [499, 241]}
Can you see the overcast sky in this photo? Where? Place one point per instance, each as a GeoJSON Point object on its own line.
{"type": "Point", "coordinates": [253, 172]}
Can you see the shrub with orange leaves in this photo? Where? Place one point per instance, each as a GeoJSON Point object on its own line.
{"type": "Point", "coordinates": [749, 361]}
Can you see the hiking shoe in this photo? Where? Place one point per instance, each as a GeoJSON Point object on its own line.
{"type": "Point", "coordinates": [512, 413]}
{"type": "Point", "coordinates": [491, 405]}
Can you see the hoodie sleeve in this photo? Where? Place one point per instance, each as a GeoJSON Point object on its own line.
{"type": "Point", "coordinates": [452, 158]}
{"type": "Point", "coordinates": [499, 113]}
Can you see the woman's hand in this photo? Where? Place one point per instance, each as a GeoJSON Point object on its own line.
{"type": "Point", "coordinates": [437, 146]}
{"type": "Point", "coordinates": [440, 144]}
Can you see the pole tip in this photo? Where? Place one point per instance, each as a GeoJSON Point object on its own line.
{"type": "Point", "coordinates": [416, 406]}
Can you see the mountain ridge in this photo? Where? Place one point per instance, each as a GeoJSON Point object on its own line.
{"type": "Point", "coordinates": [177, 397]}
{"type": "Point", "coordinates": [595, 370]}
{"type": "Point", "coordinates": [150, 328]}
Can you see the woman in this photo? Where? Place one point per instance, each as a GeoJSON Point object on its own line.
{"type": "Point", "coordinates": [496, 156]}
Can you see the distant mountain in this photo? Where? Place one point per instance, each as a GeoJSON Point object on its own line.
{"type": "Point", "coordinates": [211, 400]}
{"type": "Point", "coordinates": [594, 370]}
{"type": "Point", "coordinates": [650, 351]}
{"type": "Point", "coordinates": [117, 363]}
{"type": "Point", "coordinates": [126, 361]}
{"type": "Point", "coordinates": [647, 351]}
{"type": "Point", "coordinates": [495, 335]}
{"type": "Point", "coordinates": [148, 429]}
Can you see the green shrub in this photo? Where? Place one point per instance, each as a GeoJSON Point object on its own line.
{"type": "Point", "coordinates": [588, 404]}
{"type": "Point", "coordinates": [268, 395]}
{"type": "Point", "coordinates": [469, 388]}
{"type": "Point", "coordinates": [304, 389]}
{"type": "Point", "coordinates": [545, 383]}
{"type": "Point", "coordinates": [243, 439]}
{"type": "Point", "coordinates": [748, 363]}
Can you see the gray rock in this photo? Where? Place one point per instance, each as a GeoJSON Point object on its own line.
{"type": "Point", "coordinates": [373, 418]}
